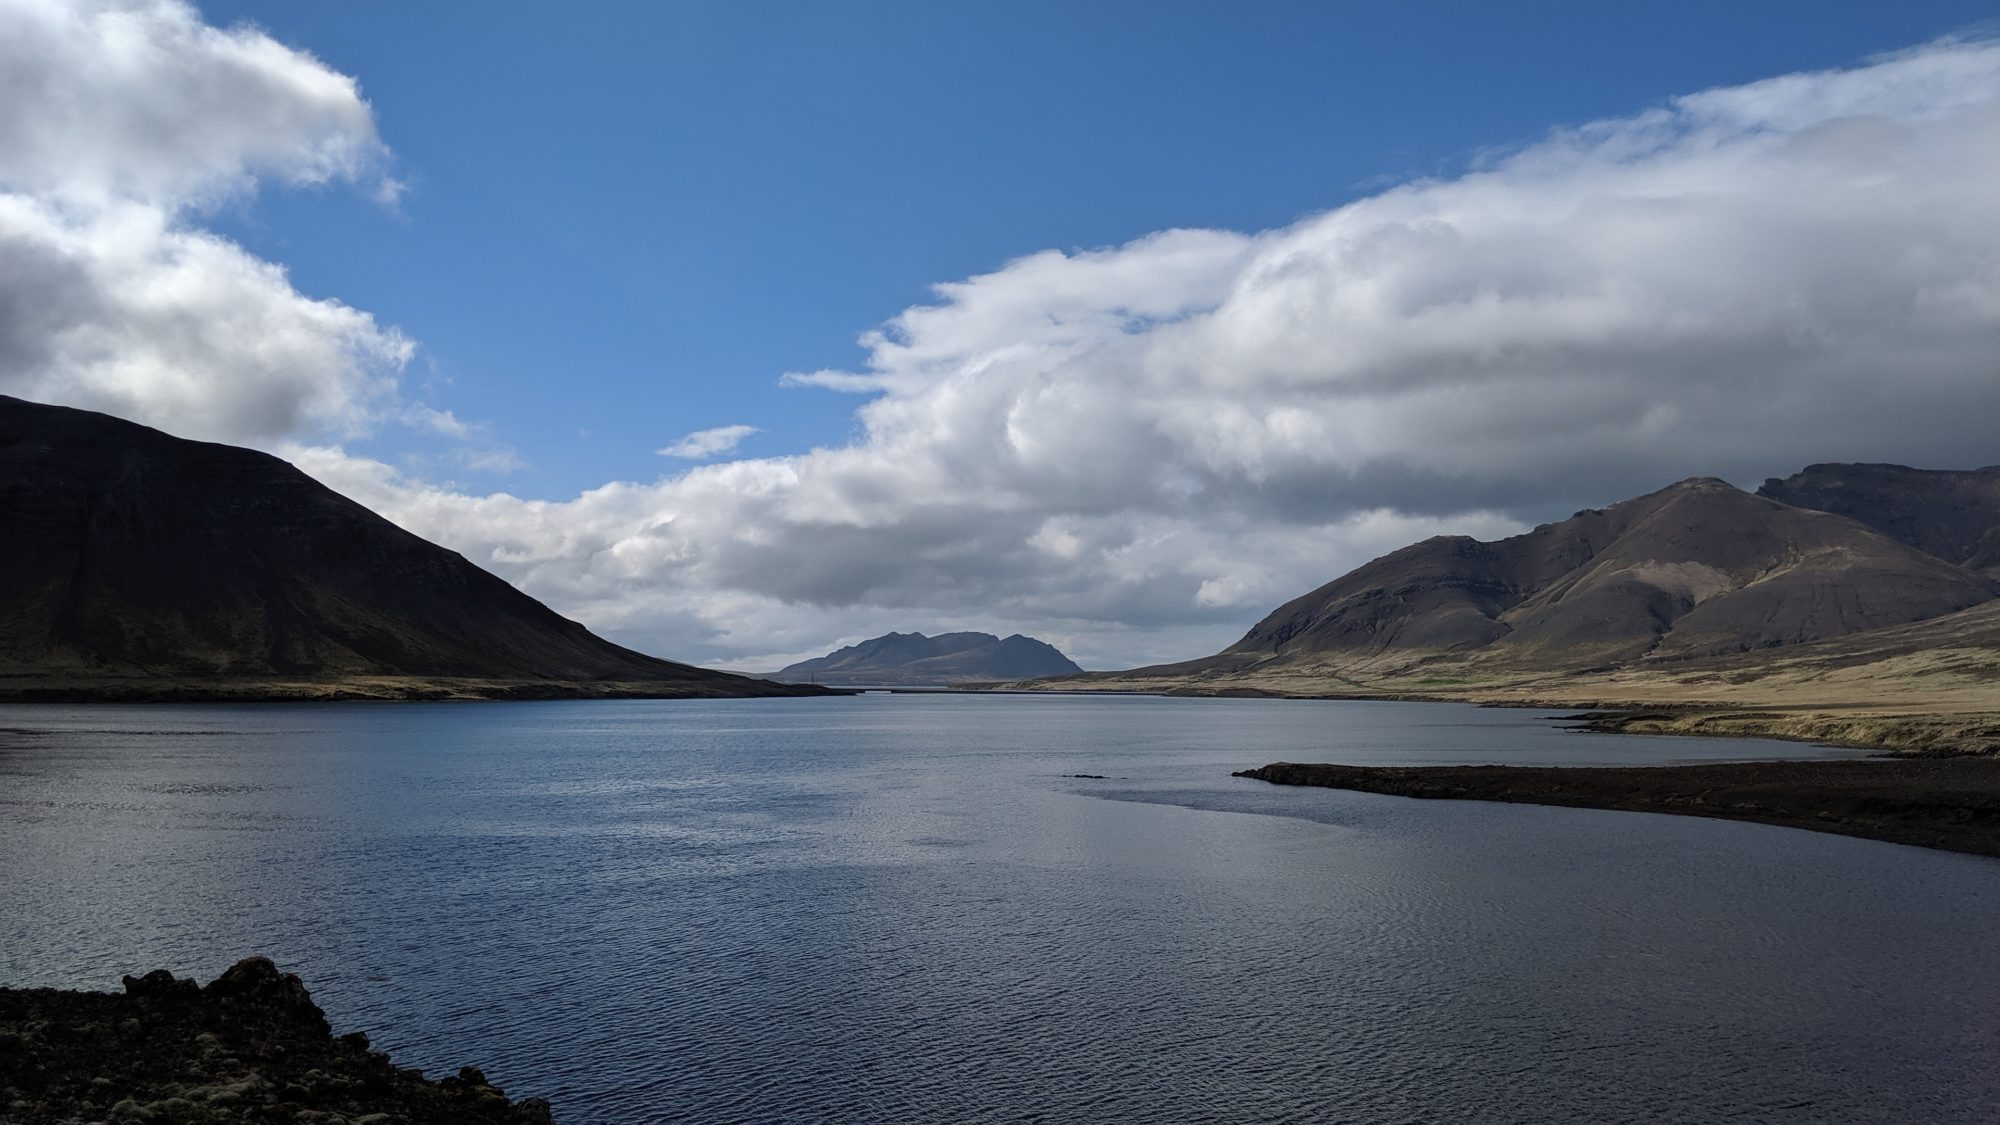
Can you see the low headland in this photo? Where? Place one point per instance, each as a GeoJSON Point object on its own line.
{"type": "Point", "coordinates": [273, 689]}
{"type": "Point", "coordinates": [1952, 804]}
{"type": "Point", "coordinates": [250, 1046]}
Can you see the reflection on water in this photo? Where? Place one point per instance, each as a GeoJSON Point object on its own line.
{"type": "Point", "coordinates": [899, 907]}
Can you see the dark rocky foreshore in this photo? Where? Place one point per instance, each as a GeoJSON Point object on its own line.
{"type": "Point", "coordinates": [250, 1047]}
{"type": "Point", "coordinates": [1952, 804]}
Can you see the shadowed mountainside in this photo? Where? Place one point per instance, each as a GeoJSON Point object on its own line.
{"type": "Point", "coordinates": [1954, 515]}
{"type": "Point", "coordinates": [912, 658]}
{"type": "Point", "coordinates": [134, 563]}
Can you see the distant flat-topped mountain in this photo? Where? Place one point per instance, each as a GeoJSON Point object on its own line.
{"type": "Point", "coordinates": [135, 564]}
{"type": "Point", "coordinates": [912, 659]}
{"type": "Point", "coordinates": [1696, 570]}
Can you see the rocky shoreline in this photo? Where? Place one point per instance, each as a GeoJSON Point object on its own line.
{"type": "Point", "coordinates": [1951, 804]}
{"type": "Point", "coordinates": [251, 1046]}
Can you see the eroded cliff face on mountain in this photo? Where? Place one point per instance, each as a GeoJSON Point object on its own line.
{"type": "Point", "coordinates": [130, 555]}
{"type": "Point", "coordinates": [250, 1046]}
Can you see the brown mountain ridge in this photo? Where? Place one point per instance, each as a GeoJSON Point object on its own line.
{"type": "Point", "coordinates": [1847, 603]}
{"type": "Point", "coordinates": [1696, 569]}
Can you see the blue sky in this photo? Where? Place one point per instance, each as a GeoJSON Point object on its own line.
{"type": "Point", "coordinates": [626, 221]}
{"type": "Point", "coordinates": [1115, 324]}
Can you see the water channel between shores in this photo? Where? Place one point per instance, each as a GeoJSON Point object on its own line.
{"type": "Point", "coordinates": [908, 906]}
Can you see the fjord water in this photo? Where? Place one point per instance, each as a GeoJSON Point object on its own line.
{"type": "Point", "coordinates": [903, 908]}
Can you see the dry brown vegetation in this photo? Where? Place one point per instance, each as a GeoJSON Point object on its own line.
{"type": "Point", "coordinates": [1929, 688]}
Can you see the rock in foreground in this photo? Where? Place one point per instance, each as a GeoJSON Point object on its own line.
{"type": "Point", "coordinates": [251, 1047]}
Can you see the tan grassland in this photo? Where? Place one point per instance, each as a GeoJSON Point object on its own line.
{"type": "Point", "coordinates": [1928, 689]}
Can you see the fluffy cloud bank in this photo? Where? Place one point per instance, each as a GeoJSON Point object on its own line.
{"type": "Point", "coordinates": [1155, 442]}
{"type": "Point", "coordinates": [1134, 451]}
{"type": "Point", "coordinates": [119, 124]}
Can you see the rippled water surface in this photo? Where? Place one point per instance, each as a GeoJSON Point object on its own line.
{"type": "Point", "coordinates": [902, 908]}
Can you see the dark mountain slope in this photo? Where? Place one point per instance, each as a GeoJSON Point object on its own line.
{"type": "Point", "coordinates": [126, 552]}
{"type": "Point", "coordinates": [1010, 658]}
{"type": "Point", "coordinates": [1953, 514]}
{"type": "Point", "coordinates": [890, 650]}
{"type": "Point", "coordinates": [1707, 569]}
{"type": "Point", "coordinates": [1444, 594]}
{"type": "Point", "coordinates": [1974, 633]}
{"type": "Point", "coordinates": [912, 658]}
{"type": "Point", "coordinates": [1697, 568]}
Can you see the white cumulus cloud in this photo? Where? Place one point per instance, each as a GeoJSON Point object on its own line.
{"type": "Point", "coordinates": [1134, 451]}
{"type": "Point", "coordinates": [1143, 447]}
{"type": "Point", "coordinates": [119, 123]}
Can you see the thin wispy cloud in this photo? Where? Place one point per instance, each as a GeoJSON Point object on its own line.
{"type": "Point", "coordinates": [704, 444]}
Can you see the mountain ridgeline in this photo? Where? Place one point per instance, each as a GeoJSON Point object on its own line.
{"type": "Point", "coordinates": [1698, 570]}
{"type": "Point", "coordinates": [134, 564]}
{"type": "Point", "coordinates": [1953, 515]}
{"type": "Point", "coordinates": [911, 659]}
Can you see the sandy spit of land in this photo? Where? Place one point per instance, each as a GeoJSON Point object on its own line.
{"type": "Point", "coordinates": [1952, 804]}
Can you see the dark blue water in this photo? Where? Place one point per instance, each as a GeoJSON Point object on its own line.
{"type": "Point", "coordinates": [899, 908]}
